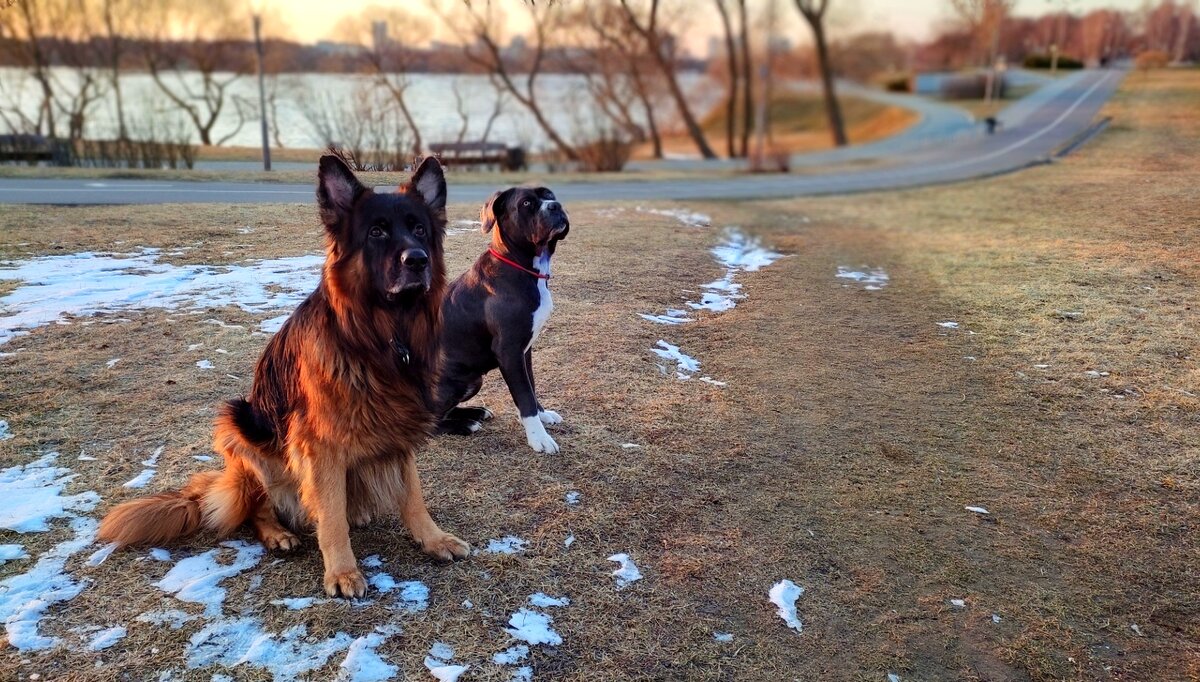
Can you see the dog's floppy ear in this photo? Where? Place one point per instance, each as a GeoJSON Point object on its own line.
{"type": "Point", "coordinates": [337, 189]}
{"type": "Point", "coordinates": [429, 182]}
{"type": "Point", "coordinates": [493, 207]}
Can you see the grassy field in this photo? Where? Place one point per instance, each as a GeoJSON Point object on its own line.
{"type": "Point", "coordinates": [852, 432]}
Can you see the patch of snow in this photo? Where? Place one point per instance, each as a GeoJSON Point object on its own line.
{"type": "Point", "coordinates": [174, 618]}
{"type": "Point", "coordinates": [572, 497]}
{"type": "Point", "coordinates": [723, 636]}
{"type": "Point", "coordinates": [977, 510]}
{"type": "Point", "coordinates": [373, 561]}
{"type": "Point", "coordinates": [444, 672]}
{"type": "Point", "coordinates": [872, 279]}
{"type": "Point", "coordinates": [688, 218]}
{"type": "Point", "coordinates": [32, 495]}
{"type": "Point", "coordinates": [511, 655]}
{"type": "Point", "coordinates": [297, 603]}
{"type": "Point", "coordinates": [4, 432]}
{"type": "Point", "coordinates": [160, 554]}
{"type": "Point", "coordinates": [684, 362]}
{"type": "Point", "coordinates": [25, 597]}
{"type": "Point", "coordinates": [11, 553]}
{"type": "Point", "coordinates": [533, 627]}
{"type": "Point", "coordinates": [893, 677]}
{"type": "Point", "coordinates": [152, 460]}
{"type": "Point", "coordinates": [996, 618]}
{"type": "Point", "coordinates": [668, 318]}
{"type": "Point", "coordinates": [202, 458]}
{"type": "Point", "coordinates": [441, 650]}
{"type": "Point", "coordinates": [948, 325]}
{"type": "Point", "coordinates": [106, 638]}
{"type": "Point", "coordinates": [289, 655]}
{"type": "Point", "coordinates": [509, 544]}
{"type": "Point", "coordinates": [273, 324]}
{"type": "Point", "coordinates": [383, 582]}
{"type": "Point", "coordinates": [522, 674]}
{"type": "Point", "coordinates": [363, 663]}
{"type": "Point", "coordinates": [783, 595]}
{"type": "Point", "coordinates": [197, 579]}
{"type": "Point", "coordinates": [85, 283]}
{"type": "Point", "coordinates": [714, 382]}
{"type": "Point", "coordinates": [629, 446]}
{"type": "Point", "coordinates": [569, 541]}
{"type": "Point", "coordinates": [112, 363]}
{"type": "Point", "coordinates": [958, 603]}
{"type": "Point", "coordinates": [101, 554]}
{"type": "Point", "coordinates": [739, 251]}
{"type": "Point", "coordinates": [140, 480]}
{"type": "Point", "coordinates": [194, 346]}
{"type": "Point", "coordinates": [544, 600]}
{"type": "Point", "coordinates": [627, 572]}
{"type": "Point", "coordinates": [204, 364]}
{"type": "Point", "coordinates": [467, 604]}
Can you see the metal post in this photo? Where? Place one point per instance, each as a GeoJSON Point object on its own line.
{"type": "Point", "coordinates": [262, 92]}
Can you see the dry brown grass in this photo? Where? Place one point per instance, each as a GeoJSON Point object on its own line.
{"type": "Point", "coordinates": [841, 454]}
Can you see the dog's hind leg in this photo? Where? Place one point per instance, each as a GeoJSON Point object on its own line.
{"type": "Point", "coordinates": [323, 494]}
{"type": "Point", "coordinates": [433, 540]}
{"type": "Point", "coordinates": [463, 421]}
{"type": "Point", "coordinates": [270, 531]}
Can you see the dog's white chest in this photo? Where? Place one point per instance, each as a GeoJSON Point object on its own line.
{"type": "Point", "coordinates": [545, 301]}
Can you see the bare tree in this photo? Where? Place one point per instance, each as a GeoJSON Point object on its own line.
{"type": "Point", "coordinates": [620, 58]}
{"type": "Point", "coordinates": [386, 34]}
{"type": "Point", "coordinates": [747, 79]}
{"type": "Point", "coordinates": [116, 15]}
{"type": "Point", "coordinates": [485, 51]}
{"type": "Point", "coordinates": [985, 20]}
{"type": "Point", "coordinates": [213, 33]}
{"type": "Point", "coordinates": [734, 80]}
{"type": "Point", "coordinates": [813, 12]}
{"type": "Point", "coordinates": [662, 49]}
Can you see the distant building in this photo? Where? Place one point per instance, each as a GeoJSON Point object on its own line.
{"type": "Point", "coordinates": [379, 35]}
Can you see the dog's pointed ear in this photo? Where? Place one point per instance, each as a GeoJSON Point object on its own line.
{"type": "Point", "coordinates": [337, 189]}
{"type": "Point", "coordinates": [494, 207]}
{"type": "Point", "coordinates": [429, 182]}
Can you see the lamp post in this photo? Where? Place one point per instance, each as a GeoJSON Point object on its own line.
{"type": "Point", "coordinates": [262, 91]}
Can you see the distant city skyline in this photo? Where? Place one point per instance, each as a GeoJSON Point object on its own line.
{"type": "Point", "coordinates": [310, 21]}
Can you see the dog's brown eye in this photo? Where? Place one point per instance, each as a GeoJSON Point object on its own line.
{"type": "Point", "coordinates": [419, 231]}
{"type": "Point", "coordinates": [376, 232]}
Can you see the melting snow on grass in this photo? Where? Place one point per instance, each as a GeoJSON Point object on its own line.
{"type": "Point", "coordinates": [25, 597]}
{"type": "Point", "coordinates": [438, 663]}
{"type": "Point", "coordinates": [11, 553]}
{"type": "Point", "coordinates": [197, 579]}
{"type": "Point", "coordinates": [288, 655]}
{"type": "Point", "coordinates": [544, 600]}
{"type": "Point", "coordinates": [688, 218]}
{"type": "Point", "coordinates": [5, 434]}
{"type": "Point", "coordinates": [511, 655]}
{"type": "Point", "coordinates": [784, 595]}
{"type": "Point", "coordinates": [627, 572]}
{"type": "Point", "coordinates": [414, 594]}
{"type": "Point", "coordinates": [738, 253]}
{"type": "Point", "coordinates": [723, 636]}
{"type": "Point", "coordinates": [533, 627]}
{"type": "Point", "coordinates": [509, 544]}
{"type": "Point", "coordinates": [106, 638]}
{"type": "Point", "coordinates": [173, 618]}
{"type": "Point", "coordinates": [87, 283]}
{"type": "Point", "coordinates": [872, 279]}
{"type": "Point", "coordinates": [32, 495]}
{"type": "Point", "coordinates": [363, 663]}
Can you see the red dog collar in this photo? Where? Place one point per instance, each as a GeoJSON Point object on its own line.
{"type": "Point", "coordinates": [517, 265]}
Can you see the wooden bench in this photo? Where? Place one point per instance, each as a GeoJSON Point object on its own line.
{"type": "Point", "coordinates": [479, 154]}
{"type": "Point", "coordinates": [32, 149]}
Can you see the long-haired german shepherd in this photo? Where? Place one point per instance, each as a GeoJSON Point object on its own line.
{"type": "Point", "coordinates": [341, 399]}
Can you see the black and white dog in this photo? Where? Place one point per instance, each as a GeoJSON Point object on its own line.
{"type": "Point", "coordinates": [493, 313]}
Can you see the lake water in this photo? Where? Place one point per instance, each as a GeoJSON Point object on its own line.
{"type": "Point", "coordinates": [564, 100]}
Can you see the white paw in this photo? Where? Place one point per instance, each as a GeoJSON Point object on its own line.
{"type": "Point", "coordinates": [536, 434]}
{"type": "Point", "coordinates": [487, 414]}
{"type": "Point", "coordinates": [549, 417]}
{"type": "Point", "coordinates": [474, 426]}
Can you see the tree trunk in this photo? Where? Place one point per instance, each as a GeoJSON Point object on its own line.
{"type": "Point", "coordinates": [747, 80]}
{"type": "Point", "coordinates": [731, 104]}
{"type": "Point", "coordinates": [832, 109]}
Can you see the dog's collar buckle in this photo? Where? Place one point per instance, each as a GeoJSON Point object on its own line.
{"type": "Point", "coordinates": [401, 351]}
{"type": "Point", "coordinates": [517, 265]}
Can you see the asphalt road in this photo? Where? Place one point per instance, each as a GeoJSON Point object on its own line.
{"type": "Point", "coordinates": [1061, 111]}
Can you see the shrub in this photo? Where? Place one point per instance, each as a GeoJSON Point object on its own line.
{"type": "Point", "coordinates": [971, 86]}
{"type": "Point", "coordinates": [607, 152]}
{"type": "Point", "coordinates": [1042, 61]}
{"type": "Point", "coordinates": [1152, 59]}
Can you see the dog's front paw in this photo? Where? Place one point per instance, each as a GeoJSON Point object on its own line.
{"type": "Point", "coordinates": [345, 583]}
{"type": "Point", "coordinates": [446, 547]}
{"type": "Point", "coordinates": [279, 539]}
{"type": "Point", "coordinates": [549, 417]}
{"type": "Point", "coordinates": [536, 434]}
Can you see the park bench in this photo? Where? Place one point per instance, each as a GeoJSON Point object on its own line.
{"type": "Point", "coordinates": [479, 154]}
{"type": "Point", "coordinates": [32, 149]}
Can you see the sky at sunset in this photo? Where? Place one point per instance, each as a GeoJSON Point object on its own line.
{"type": "Point", "coordinates": [312, 20]}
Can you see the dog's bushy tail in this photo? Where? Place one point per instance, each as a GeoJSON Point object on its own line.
{"type": "Point", "coordinates": [219, 501]}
